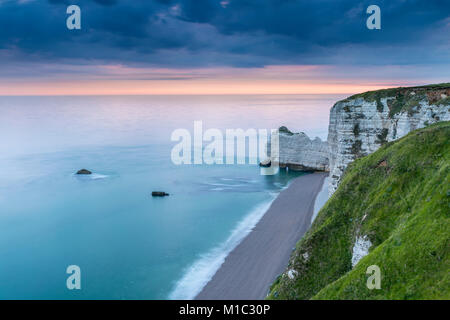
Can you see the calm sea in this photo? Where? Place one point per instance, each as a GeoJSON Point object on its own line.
{"type": "Point", "coordinates": [128, 244]}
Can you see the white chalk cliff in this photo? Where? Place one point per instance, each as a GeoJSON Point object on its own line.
{"type": "Point", "coordinates": [298, 152]}
{"type": "Point", "coordinates": [360, 124]}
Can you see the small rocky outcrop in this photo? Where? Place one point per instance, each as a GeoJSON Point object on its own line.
{"type": "Point", "coordinates": [84, 171]}
{"type": "Point", "coordinates": [265, 163]}
{"type": "Point", "coordinates": [159, 194]}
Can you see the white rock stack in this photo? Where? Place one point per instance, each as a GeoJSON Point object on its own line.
{"type": "Point", "coordinates": [299, 153]}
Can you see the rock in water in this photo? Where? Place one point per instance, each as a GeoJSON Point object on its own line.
{"type": "Point", "coordinates": [159, 194]}
{"type": "Point", "coordinates": [265, 163]}
{"type": "Point", "coordinates": [84, 171]}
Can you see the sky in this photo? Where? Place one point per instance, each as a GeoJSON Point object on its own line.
{"type": "Point", "coordinates": [220, 46]}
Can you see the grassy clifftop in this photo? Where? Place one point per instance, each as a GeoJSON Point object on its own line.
{"type": "Point", "coordinates": [407, 98]}
{"type": "Point", "coordinates": [399, 197]}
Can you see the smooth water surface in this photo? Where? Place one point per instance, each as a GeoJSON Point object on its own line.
{"type": "Point", "coordinates": [128, 244]}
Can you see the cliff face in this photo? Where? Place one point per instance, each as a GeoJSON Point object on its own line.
{"type": "Point", "coordinates": [359, 125]}
{"type": "Point", "coordinates": [299, 153]}
{"type": "Point", "coordinates": [391, 211]}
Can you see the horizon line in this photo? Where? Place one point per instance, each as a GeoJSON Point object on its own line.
{"type": "Point", "coordinates": [176, 94]}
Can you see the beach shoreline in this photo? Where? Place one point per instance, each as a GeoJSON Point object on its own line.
{"type": "Point", "coordinates": [252, 266]}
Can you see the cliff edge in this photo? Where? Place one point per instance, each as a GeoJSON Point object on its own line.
{"type": "Point", "coordinates": [389, 211]}
{"type": "Point", "coordinates": [362, 123]}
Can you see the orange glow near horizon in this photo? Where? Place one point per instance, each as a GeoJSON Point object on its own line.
{"type": "Point", "coordinates": [180, 87]}
{"type": "Point", "coordinates": [120, 80]}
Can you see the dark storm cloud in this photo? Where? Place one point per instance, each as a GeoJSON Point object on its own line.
{"type": "Point", "coordinates": [192, 33]}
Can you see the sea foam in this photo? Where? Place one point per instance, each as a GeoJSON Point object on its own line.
{"type": "Point", "coordinates": [93, 176]}
{"type": "Point", "coordinates": [202, 270]}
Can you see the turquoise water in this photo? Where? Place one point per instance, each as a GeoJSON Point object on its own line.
{"type": "Point", "coordinates": [128, 244]}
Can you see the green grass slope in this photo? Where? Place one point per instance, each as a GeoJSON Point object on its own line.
{"type": "Point", "coordinates": [399, 197]}
{"type": "Point", "coordinates": [408, 98]}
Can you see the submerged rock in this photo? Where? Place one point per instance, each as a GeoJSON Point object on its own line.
{"type": "Point", "coordinates": [159, 194]}
{"type": "Point", "coordinates": [84, 171]}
